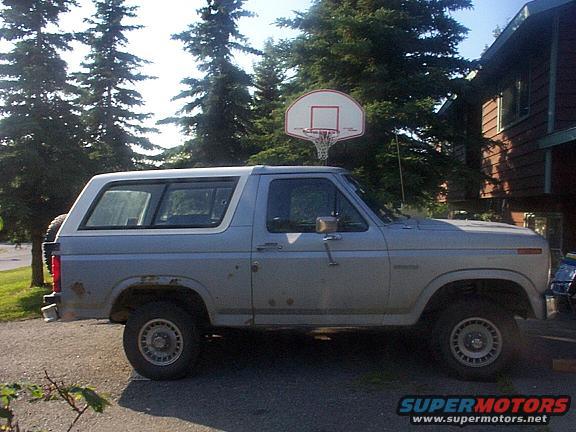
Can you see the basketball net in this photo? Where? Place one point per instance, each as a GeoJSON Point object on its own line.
{"type": "Point", "coordinates": [323, 139]}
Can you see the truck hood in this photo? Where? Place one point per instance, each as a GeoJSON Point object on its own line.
{"type": "Point", "coordinates": [468, 226]}
{"type": "Point", "coordinates": [416, 233]}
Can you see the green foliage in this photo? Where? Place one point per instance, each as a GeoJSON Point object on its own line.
{"type": "Point", "coordinates": [399, 60]}
{"type": "Point", "coordinates": [87, 394]}
{"type": "Point", "coordinates": [488, 216]}
{"type": "Point", "coordinates": [78, 398]}
{"type": "Point", "coordinates": [505, 385]}
{"type": "Point", "coordinates": [42, 159]}
{"type": "Point", "coordinates": [8, 393]}
{"type": "Point", "coordinates": [216, 112]}
{"type": "Point", "coordinates": [380, 380]}
{"type": "Point", "coordinates": [17, 300]}
{"type": "Point", "coordinates": [269, 75]}
{"type": "Point", "coordinates": [438, 210]}
{"type": "Point", "coordinates": [107, 92]}
{"type": "Point", "coordinates": [280, 150]}
{"type": "Point", "coordinates": [496, 32]}
{"type": "Point", "coordinates": [263, 141]}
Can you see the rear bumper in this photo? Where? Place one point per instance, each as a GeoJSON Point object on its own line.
{"type": "Point", "coordinates": [50, 311]}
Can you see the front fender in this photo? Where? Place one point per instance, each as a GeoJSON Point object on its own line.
{"type": "Point", "coordinates": [534, 297]}
{"type": "Point", "coordinates": [412, 316]}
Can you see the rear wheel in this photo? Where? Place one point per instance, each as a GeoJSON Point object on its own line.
{"type": "Point", "coordinates": [161, 341]}
{"type": "Point", "coordinates": [475, 340]}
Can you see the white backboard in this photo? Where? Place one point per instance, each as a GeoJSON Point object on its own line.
{"type": "Point", "coordinates": [325, 109]}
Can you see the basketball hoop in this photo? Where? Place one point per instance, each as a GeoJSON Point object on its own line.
{"type": "Point", "coordinates": [324, 117]}
{"type": "Point", "coordinates": [323, 139]}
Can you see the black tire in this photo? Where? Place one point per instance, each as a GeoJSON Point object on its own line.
{"type": "Point", "coordinates": [168, 324]}
{"type": "Point", "coordinates": [49, 237]}
{"type": "Point", "coordinates": [475, 340]}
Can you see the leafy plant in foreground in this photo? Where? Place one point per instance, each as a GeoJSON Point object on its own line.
{"type": "Point", "coordinates": [78, 398]}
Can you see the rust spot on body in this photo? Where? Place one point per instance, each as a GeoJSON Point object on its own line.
{"type": "Point", "coordinates": [78, 288]}
{"type": "Point", "coordinates": [151, 279]}
{"type": "Point", "coordinates": [174, 281]}
{"type": "Point", "coordinates": [290, 301]}
{"type": "Point", "coordinates": [69, 316]}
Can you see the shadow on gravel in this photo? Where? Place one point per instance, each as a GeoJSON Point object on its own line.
{"type": "Point", "coordinates": [545, 341]}
{"type": "Point", "coordinates": [324, 380]}
{"type": "Point", "coordinates": [282, 380]}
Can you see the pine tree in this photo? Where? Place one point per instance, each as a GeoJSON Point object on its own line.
{"type": "Point", "coordinates": [216, 114]}
{"type": "Point", "coordinates": [269, 78]}
{"type": "Point", "coordinates": [107, 91]}
{"type": "Point", "coordinates": [269, 75]}
{"type": "Point", "coordinates": [42, 160]}
{"type": "Point", "coordinates": [399, 60]}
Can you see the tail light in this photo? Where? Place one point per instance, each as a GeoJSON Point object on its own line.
{"type": "Point", "coordinates": [56, 287]}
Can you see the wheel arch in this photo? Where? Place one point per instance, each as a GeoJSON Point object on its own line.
{"type": "Point", "coordinates": [511, 290]}
{"type": "Point", "coordinates": [136, 291]}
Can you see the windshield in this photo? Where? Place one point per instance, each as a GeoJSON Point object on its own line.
{"type": "Point", "coordinates": [372, 200]}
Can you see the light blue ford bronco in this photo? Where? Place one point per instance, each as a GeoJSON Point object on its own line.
{"type": "Point", "coordinates": [172, 253]}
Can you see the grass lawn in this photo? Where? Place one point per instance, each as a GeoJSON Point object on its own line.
{"type": "Point", "coordinates": [17, 300]}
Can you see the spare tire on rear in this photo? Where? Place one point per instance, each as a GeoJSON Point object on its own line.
{"type": "Point", "coordinates": [49, 238]}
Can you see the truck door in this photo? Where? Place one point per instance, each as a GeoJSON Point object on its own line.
{"type": "Point", "coordinates": [301, 277]}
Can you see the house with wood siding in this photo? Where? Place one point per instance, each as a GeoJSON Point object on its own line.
{"type": "Point", "coordinates": [521, 102]}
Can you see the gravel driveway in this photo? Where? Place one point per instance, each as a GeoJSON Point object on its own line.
{"type": "Point", "coordinates": [280, 381]}
{"type": "Point", "coordinates": [12, 258]}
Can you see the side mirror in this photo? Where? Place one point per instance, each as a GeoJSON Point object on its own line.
{"type": "Point", "coordinates": [326, 224]}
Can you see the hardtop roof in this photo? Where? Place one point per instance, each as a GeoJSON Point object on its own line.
{"type": "Point", "coordinates": [217, 172]}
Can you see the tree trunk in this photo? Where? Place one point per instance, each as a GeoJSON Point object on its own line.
{"type": "Point", "coordinates": [37, 261]}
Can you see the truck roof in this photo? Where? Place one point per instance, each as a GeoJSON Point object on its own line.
{"type": "Point", "coordinates": [218, 172]}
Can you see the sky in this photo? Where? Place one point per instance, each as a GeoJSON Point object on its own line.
{"type": "Point", "coordinates": [169, 63]}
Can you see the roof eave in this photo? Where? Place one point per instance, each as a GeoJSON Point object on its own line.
{"type": "Point", "coordinates": [528, 10]}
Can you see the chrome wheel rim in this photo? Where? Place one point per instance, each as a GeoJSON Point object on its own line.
{"type": "Point", "coordinates": [476, 342]}
{"type": "Point", "coordinates": [160, 342]}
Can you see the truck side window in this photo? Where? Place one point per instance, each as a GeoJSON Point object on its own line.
{"type": "Point", "coordinates": [124, 206]}
{"type": "Point", "coordinates": [294, 205]}
{"type": "Point", "coordinates": [199, 204]}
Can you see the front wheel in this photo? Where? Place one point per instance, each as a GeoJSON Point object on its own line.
{"type": "Point", "coordinates": [475, 340]}
{"type": "Point", "coordinates": [161, 341]}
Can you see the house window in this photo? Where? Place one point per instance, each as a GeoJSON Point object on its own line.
{"type": "Point", "coordinates": [550, 226]}
{"type": "Point", "coordinates": [514, 98]}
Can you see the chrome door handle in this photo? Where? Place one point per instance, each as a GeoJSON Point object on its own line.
{"type": "Point", "coordinates": [332, 237]}
{"type": "Point", "coordinates": [269, 246]}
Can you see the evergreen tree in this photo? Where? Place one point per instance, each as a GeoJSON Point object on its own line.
{"type": "Point", "coordinates": [269, 75]}
{"type": "Point", "coordinates": [106, 91]}
{"type": "Point", "coordinates": [216, 114]}
{"type": "Point", "coordinates": [269, 78]}
{"type": "Point", "coordinates": [399, 60]}
{"type": "Point", "coordinates": [42, 161]}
